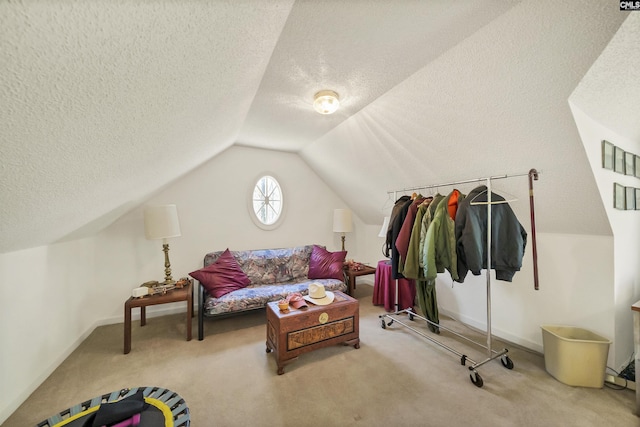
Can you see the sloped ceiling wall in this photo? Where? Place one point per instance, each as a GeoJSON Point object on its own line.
{"type": "Point", "coordinates": [104, 103]}
{"type": "Point", "coordinates": [359, 49]}
{"type": "Point", "coordinates": [610, 91]}
{"type": "Point", "coordinates": [494, 104]}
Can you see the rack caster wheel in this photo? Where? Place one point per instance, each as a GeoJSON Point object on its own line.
{"type": "Point", "coordinates": [411, 316]}
{"type": "Point", "coordinates": [384, 325]}
{"type": "Point", "coordinates": [476, 379]}
{"type": "Point", "coordinates": [506, 362]}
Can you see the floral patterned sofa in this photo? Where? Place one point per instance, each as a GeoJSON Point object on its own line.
{"type": "Point", "coordinates": [252, 278]}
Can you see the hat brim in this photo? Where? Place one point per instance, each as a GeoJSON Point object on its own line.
{"type": "Point", "coordinates": [326, 300]}
{"type": "Point", "coordinates": [301, 303]}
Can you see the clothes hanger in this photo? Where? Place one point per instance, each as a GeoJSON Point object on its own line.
{"type": "Point", "coordinates": [502, 194]}
{"type": "Point", "coordinates": [427, 201]}
{"type": "Point", "coordinates": [387, 203]}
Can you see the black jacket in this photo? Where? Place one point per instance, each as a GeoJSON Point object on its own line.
{"type": "Point", "coordinates": [395, 224]}
{"type": "Point", "coordinates": [508, 237]}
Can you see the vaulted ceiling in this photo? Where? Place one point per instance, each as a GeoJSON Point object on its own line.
{"type": "Point", "coordinates": [102, 103]}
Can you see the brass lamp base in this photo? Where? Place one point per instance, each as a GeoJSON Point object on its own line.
{"type": "Point", "coordinates": [168, 280]}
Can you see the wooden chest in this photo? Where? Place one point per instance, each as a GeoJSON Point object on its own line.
{"type": "Point", "coordinates": [301, 331]}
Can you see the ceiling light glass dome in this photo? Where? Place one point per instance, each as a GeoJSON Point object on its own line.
{"type": "Point", "coordinates": [326, 102]}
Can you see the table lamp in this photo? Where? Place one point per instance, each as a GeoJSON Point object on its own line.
{"type": "Point", "coordinates": [342, 222]}
{"type": "Point", "coordinates": [161, 222]}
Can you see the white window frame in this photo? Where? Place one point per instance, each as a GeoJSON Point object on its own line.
{"type": "Point", "coordinates": [252, 213]}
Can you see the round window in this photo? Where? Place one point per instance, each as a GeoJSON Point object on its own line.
{"type": "Point", "coordinates": [267, 202]}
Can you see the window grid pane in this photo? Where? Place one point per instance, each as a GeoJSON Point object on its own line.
{"type": "Point", "coordinates": [267, 200]}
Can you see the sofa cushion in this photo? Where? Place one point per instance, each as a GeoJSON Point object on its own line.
{"type": "Point", "coordinates": [254, 297]}
{"type": "Point", "coordinates": [326, 265]}
{"type": "Point", "coordinates": [268, 266]}
{"type": "Point", "coordinates": [222, 276]}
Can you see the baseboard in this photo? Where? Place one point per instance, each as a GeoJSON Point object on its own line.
{"type": "Point", "coordinates": [481, 327]}
{"type": "Point", "coordinates": [622, 382]}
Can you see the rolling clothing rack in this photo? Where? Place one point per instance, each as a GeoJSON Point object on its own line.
{"type": "Point", "coordinates": [475, 377]}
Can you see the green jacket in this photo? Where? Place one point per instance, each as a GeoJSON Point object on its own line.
{"type": "Point", "coordinates": [440, 240]}
{"type": "Point", "coordinates": [427, 218]}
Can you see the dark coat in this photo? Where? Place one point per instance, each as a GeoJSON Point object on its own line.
{"type": "Point", "coordinates": [397, 206]}
{"type": "Point", "coordinates": [396, 224]}
{"type": "Point", "coordinates": [508, 237]}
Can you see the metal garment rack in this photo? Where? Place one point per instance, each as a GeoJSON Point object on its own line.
{"type": "Point", "coordinates": [475, 377]}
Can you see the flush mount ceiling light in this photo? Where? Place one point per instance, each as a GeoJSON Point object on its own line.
{"type": "Point", "coordinates": [326, 102]}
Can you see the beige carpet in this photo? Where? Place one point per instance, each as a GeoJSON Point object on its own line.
{"type": "Point", "coordinates": [395, 378]}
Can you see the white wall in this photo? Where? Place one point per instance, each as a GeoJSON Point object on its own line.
{"type": "Point", "coordinates": [575, 288]}
{"type": "Point", "coordinates": [214, 214]}
{"type": "Point", "coordinates": [369, 249]}
{"type": "Point", "coordinates": [47, 307]}
{"type": "Point", "coordinates": [624, 224]}
{"type": "Point", "coordinates": [52, 297]}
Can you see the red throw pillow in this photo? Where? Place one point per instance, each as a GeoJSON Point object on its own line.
{"type": "Point", "coordinates": [223, 276]}
{"type": "Point", "coordinates": [326, 265]}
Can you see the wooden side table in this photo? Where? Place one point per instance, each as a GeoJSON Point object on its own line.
{"type": "Point", "coordinates": [352, 274]}
{"type": "Point", "coordinates": [175, 295]}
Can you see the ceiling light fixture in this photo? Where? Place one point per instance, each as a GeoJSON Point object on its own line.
{"type": "Point", "coordinates": [326, 102]}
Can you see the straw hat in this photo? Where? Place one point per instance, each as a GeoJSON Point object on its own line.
{"type": "Point", "coordinates": [318, 296]}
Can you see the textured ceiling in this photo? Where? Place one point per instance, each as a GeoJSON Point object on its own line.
{"type": "Point", "coordinates": [359, 49]}
{"type": "Point", "coordinates": [103, 102]}
{"type": "Point", "coordinates": [494, 104]}
{"type": "Point", "coordinates": [610, 92]}
{"type": "Point", "coordinates": [98, 96]}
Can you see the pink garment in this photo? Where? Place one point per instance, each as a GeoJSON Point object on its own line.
{"type": "Point", "coordinates": [384, 290]}
{"type": "Point", "coordinates": [129, 422]}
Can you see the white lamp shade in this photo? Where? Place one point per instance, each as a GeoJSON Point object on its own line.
{"type": "Point", "coordinates": [385, 227]}
{"type": "Point", "coordinates": [341, 220]}
{"type": "Point", "coordinates": [161, 222]}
